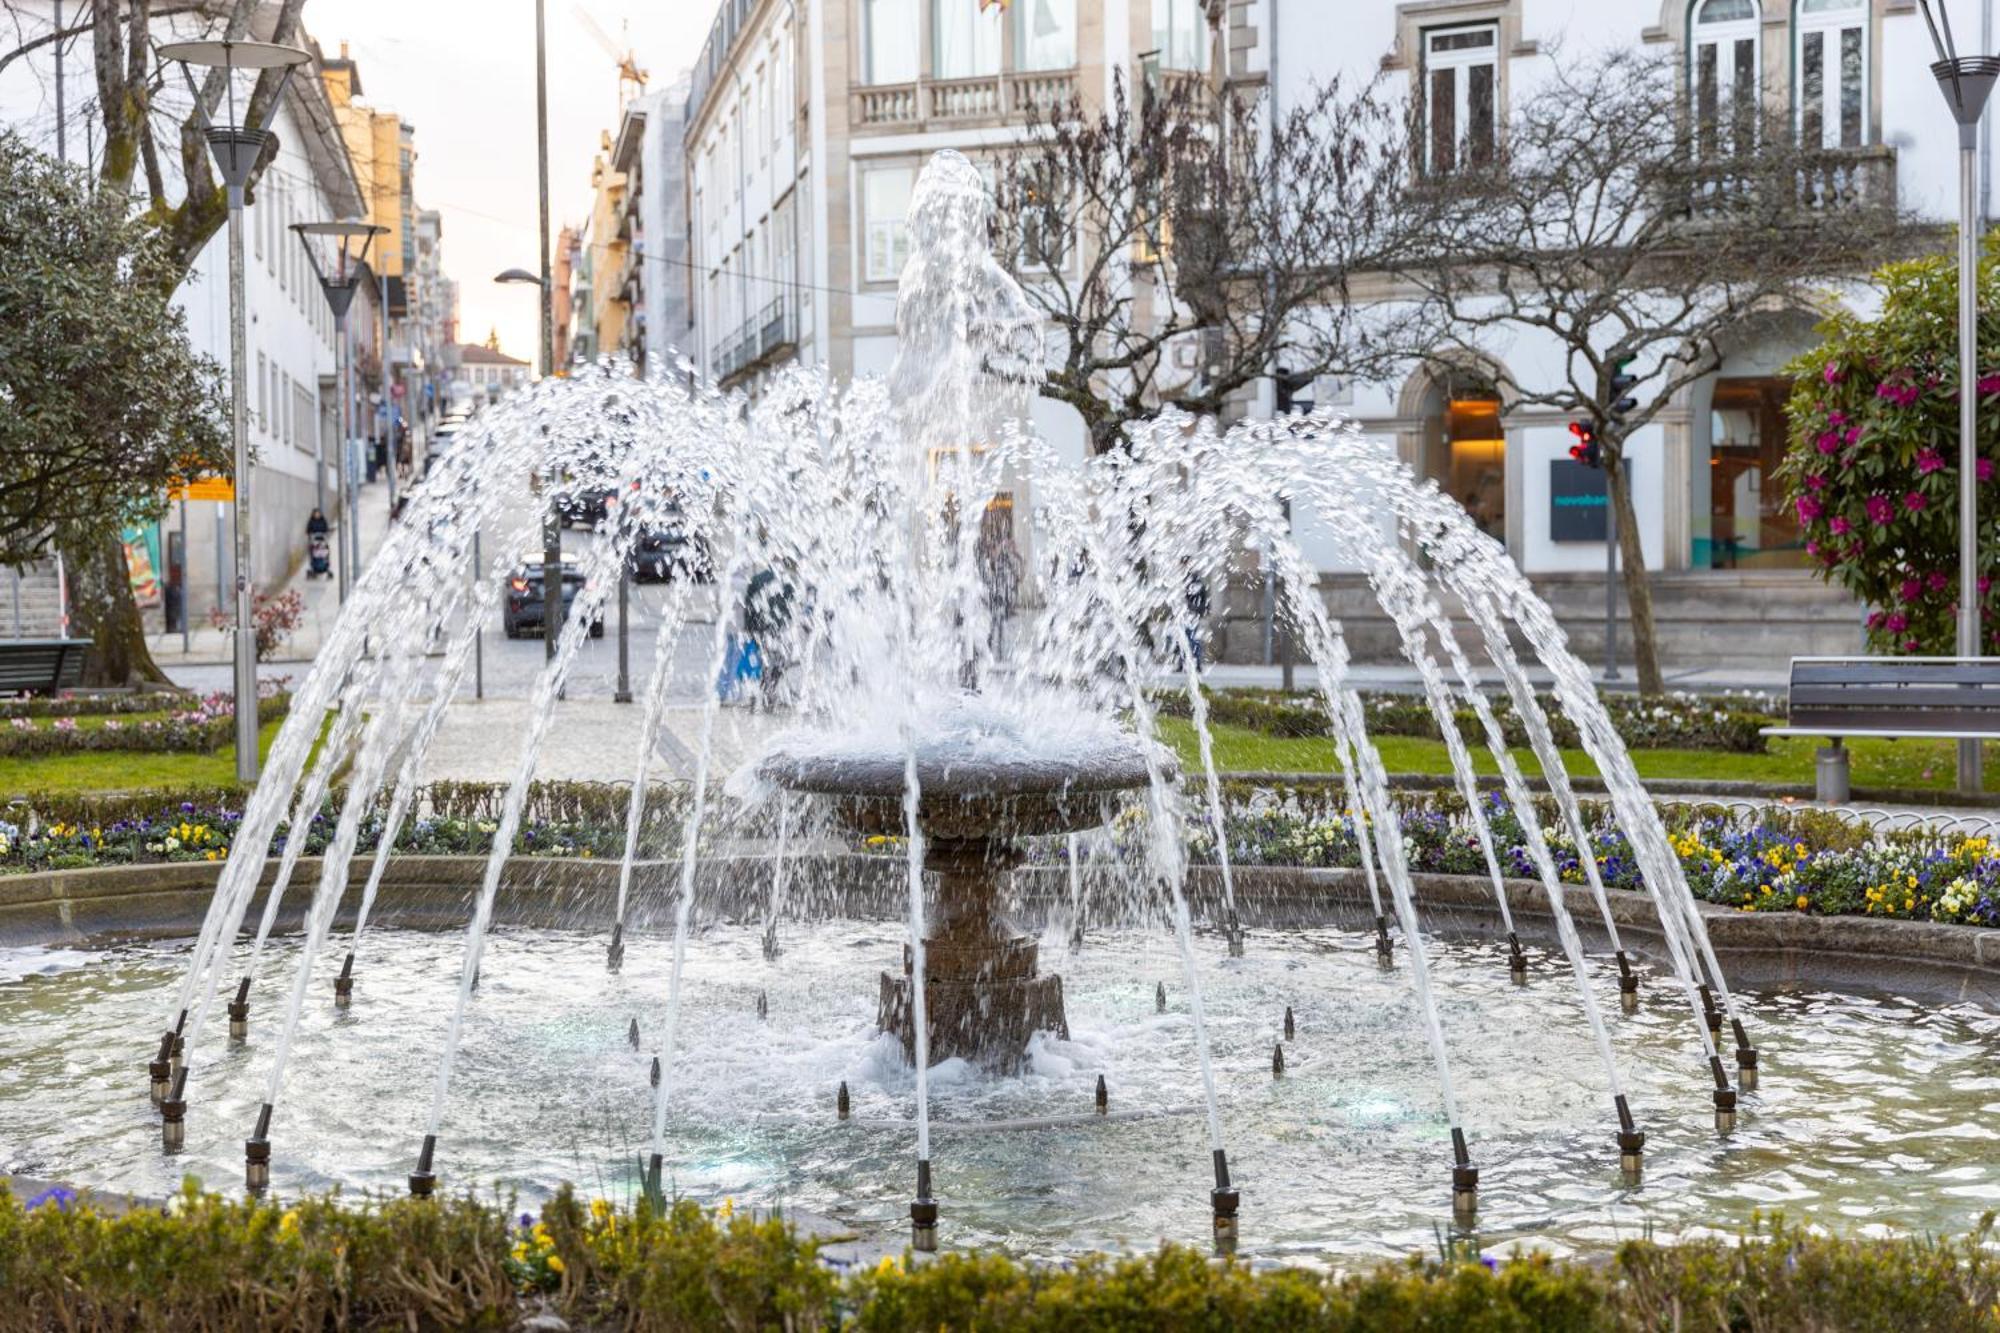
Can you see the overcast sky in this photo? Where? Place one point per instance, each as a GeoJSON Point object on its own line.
{"type": "Point", "coordinates": [462, 72]}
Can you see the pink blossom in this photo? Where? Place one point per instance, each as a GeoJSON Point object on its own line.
{"type": "Point", "coordinates": [1911, 645]}
{"type": "Point", "coordinates": [1833, 373]}
{"type": "Point", "coordinates": [1815, 482]}
{"type": "Point", "coordinates": [1828, 442]}
{"type": "Point", "coordinates": [1914, 501]}
{"type": "Point", "coordinates": [1875, 619]}
{"type": "Point", "coordinates": [1841, 527]}
{"type": "Point", "coordinates": [1989, 384]}
{"type": "Point", "coordinates": [1935, 581]}
{"type": "Point", "coordinates": [1929, 461]}
{"type": "Point", "coordinates": [1984, 469]}
{"type": "Point", "coordinates": [1880, 509]}
{"type": "Point", "coordinates": [1853, 435]}
{"type": "Point", "coordinates": [1808, 508]}
{"type": "Point", "coordinates": [1985, 583]}
{"type": "Point", "coordinates": [1911, 589]}
{"type": "Point", "coordinates": [1897, 623]}
{"type": "Point", "coordinates": [1902, 395]}
{"type": "Point", "coordinates": [1812, 548]}
{"type": "Point", "coordinates": [1836, 419]}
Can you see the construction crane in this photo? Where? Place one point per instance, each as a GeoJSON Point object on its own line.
{"type": "Point", "coordinates": [631, 79]}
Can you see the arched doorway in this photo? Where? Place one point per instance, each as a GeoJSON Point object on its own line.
{"type": "Point", "coordinates": [1464, 445]}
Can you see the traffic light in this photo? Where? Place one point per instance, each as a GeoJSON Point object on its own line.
{"type": "Point", "coordinates": [1622, 384]}
{"type": "Point", "coordinates": [1586, 450]}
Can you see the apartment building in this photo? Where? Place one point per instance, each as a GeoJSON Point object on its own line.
{"type": "Point", "coordinates": [649, 153]}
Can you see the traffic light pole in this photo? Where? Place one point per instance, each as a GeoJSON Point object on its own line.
{"type": "Point", "coordinates": [1610, 581]}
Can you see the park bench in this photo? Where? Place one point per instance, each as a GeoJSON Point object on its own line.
{"type": "Point", "coordinates": [41, 666]}
{"type": "Point", "coordinates": [1954, 698]}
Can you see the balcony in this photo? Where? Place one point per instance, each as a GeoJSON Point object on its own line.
{"type": "Point", "coordinates": [764, 340]}
{"type": "Point", "coordinates": [992, 97]}
{"type": "Point", "coordinates": [1832, 179]}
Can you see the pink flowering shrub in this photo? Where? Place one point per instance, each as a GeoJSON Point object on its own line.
{"type": "Point", "coordinates": [1872, 467]}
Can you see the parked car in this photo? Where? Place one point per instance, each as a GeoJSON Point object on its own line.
{"type": "Point", "coordinates": [662, 555]}
{"type": "Point", "coordinates": [587, 508]}
{"type": "Point", "coordinates": [522, 613]}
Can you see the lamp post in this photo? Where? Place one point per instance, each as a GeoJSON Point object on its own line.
{"type": "Point", "coordinates": [1966, 81]}
{"type": "Point", "coordinates": [349, 243]}
{"type": "Point", "coordinates": [552, 520]}
{"type": "Point", "coordinates": [237, 149]}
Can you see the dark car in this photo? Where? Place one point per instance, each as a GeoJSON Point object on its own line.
{"type": "Point", "coordinates": [522, 613]}
{"type": "Point", "coordinates": [664, 554]}
{"type": "Point", "coordinates": [587, 508]}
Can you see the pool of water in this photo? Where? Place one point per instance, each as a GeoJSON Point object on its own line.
{"type": "Point", "coordinates": [1872, 1116]}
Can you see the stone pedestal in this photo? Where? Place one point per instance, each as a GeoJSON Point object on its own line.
{"type": "Point", "coordinates": [983, 995]}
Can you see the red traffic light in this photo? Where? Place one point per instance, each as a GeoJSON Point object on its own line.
{"type": "Point", "coordinates": [1586, 450]}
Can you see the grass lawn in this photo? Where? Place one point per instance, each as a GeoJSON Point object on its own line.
{"type": "Point", "coordinates": [1875, 763]}
{"type": "Point", "coordinates": [123, 770]}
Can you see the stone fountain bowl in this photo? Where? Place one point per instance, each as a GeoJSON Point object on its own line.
{"type": "Point", "coordinates": [982, 771]}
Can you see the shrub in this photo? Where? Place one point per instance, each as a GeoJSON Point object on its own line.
{"type": "Point", "coordinates": [272, 619]}
{"type": "Point", "coordinates": [202, 729]}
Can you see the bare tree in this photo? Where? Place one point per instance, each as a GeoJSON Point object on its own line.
{"type": "Point", "coordinates": [140, 119]}
{"type": "Point", "coordinates": [1642, 238]}
{"type": "Point", "coordinates": [1186, 242]}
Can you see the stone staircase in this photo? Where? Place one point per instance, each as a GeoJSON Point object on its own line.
{"type": "Point", "coordinates": [1733, 618]}
{"type": "Point", "coordinates": [33, 592]}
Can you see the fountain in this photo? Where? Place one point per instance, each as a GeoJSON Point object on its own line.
{"type": "Point", "coordinates": [927, 745]}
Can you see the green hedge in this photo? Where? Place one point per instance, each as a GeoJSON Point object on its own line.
{"type": "Point", "coordinates": [210, 1263]}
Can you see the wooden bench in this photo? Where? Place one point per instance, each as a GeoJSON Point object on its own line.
{"type": "Point", "coordinates": [1954, 698]}
{"type": "Point", "coordinates": [41, 666]}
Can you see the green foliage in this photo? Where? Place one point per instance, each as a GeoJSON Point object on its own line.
{"type": "Point", "coordinates": [107, 403]}
{"type": "Point", "coordinates": [1872, 465]}
{"type": "Point", "coordinates": [203, 729]}
{"type": "Point", "coordinates": [209, 1263]}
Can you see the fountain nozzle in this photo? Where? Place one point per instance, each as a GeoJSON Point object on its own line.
{"type": "Point", "coordinates": [1223, 1200]}
{"type": "Point", "coordinates": [614, 957]}
{"type": "Point", "coordinates": [1160, 997]}
{"type": "Point", "coordinates": [343, 985]}
{"type": "Point", "coordinates": [923, 1212]}
{"type": "Point", "coordinates": [1517, 961]}
{"type": "Point", "coordinates": [239, 1012]}
{"type": "Point", "coordinates": [423, 1181]}
{"type": "Point", "coordinates": [257, 1154]}
{"type": "Point", "coordinates": [1232, 931]}
{"type": "Point", "coordinates": [1464, 1181]}
{"type": "Point", "coordinates": [1710, 1014]}
{"type": "Point", "coordinates": [1103, 1096]}
{"type": "Point", "coordinates": [1631, 1142]}
{"type": "Point", "coordinates": [1628, 985]}
{"type": "Point", "coordinates": [654, 1076]}
{"type": "Point", "coordinates": [1278, 1060]}
{"type": "Point", "coordinates": [841, 1105]}
{"type": "Point", "coordinates": [1384, 947]}
{"type": "Point", "coordinates": [763, 1004]}
{"type": "Point", "coordinates": [632, 1034]}
{"type": "Point", "coordinates": [771, 949]}
{"type": "Point", "coordinates": [1746, 1057]}
{"type": "Point", "coordinates": [1291, 1030]}
{"type": "Point", "coordinates": [1725, 1097]}
{"type": "Point", "coordinates": [160, 1070]}
{"type": "Point", "coordinates": [173, 1114]}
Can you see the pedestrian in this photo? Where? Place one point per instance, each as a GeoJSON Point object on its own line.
{"type": "Point", "coordinates": [319, 551]}
{"type": "Point", "coordinates": [767, 611]}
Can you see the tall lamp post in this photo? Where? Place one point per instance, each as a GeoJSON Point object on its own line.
{"type": "Point", "coordinates": [1966, 81]}
{"type": "Point", "coordinates": [552, 520]}
{"type": "Point", "coordinates": [237, 149]}
{"type": "Point", "coordinates": [339, 273]}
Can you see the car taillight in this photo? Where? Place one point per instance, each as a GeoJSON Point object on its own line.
{"type": "Point", "coordinates": [518, 585]}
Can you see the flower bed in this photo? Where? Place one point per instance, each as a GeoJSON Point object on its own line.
{"type": "Point", "coordinates": [202, 729]}
{"type": "Point", "coordinates": [206, 1262]}
{"type": "Point", "coordinates": [93, 705]}
{"type": "Point", "coordinates": [1728, 722]}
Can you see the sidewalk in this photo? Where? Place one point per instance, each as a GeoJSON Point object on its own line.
{"type": "Point", "coordinates": [207, 646]}
{"type": "Point", "coordinates": [589, 740]}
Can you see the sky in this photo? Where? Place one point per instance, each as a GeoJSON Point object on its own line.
{"type": "Point", "coordinates": [462, 73]}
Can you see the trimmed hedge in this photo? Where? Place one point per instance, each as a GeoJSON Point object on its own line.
{"type": "Point", "coordinates": [210, 1263]}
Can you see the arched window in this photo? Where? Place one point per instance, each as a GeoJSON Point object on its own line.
{"type": "Point", "coordinates": [1722, 73]}
{"type": "Point", "coordinates": [1832, 72]}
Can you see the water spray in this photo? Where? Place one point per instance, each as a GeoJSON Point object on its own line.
{"type": "Point", "coordinates": [239, 1012]}
{"type": "Point", "coordinates": [257, 1154]}
{"type": "Point", "coordinates": [343, 985]}
{"type": "Point", "coordinates": [1631, 1142]}
{"type": "Point", "coordinates": [615, 956]}
{"type": "Point", "coordinates": [923, 1212]}
{"type": "Point", "coordinates": [1464, 1181]}
{"type": "Point", "coordinates": [423, 1181]}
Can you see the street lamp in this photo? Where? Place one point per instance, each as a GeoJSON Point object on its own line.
{"type": "Point", "coordinates": [551, 521]}
{"type": "Point", "coordinates": [237, 149]}
{"type": "Point", "coordinates": [339, 272]}
{"type": "Point", "coordinates": [1966, 82]}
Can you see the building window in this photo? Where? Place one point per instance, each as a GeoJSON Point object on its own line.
{"type": "Point", "coordinates": [1833, 73]}
{"type": "Point", "coordinates": [1045, 35]}
{"type": "Point", "coordinates": [965, 39]}
{"type": "Point", "coordinates": [885, 207]}
{"type": "Point", "coordinates": [1723, 74]}
{"type": "Point", "coordinates": [1180, 34]}
{"type": "Point", "coordinates": [1461, 88]}
{"type": "Point", "coordinates": [261, 418]}
{"type": "Point", "coordinates": [891, 34]}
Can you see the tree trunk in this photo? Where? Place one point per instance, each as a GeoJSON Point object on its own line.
{"type": "Point", "coordinates": [1638, 585]}
{"type": "Point", "coordinates": [102, 608]}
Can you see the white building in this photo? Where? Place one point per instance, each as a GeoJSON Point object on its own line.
{"type": "Point", "coordinates": [650, 151]}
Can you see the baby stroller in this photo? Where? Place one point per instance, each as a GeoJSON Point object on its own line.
{"type": "Point", "coordinates": [319, 556]}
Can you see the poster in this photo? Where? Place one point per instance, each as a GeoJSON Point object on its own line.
{"type": "Point", "coordinates": [142, 564]}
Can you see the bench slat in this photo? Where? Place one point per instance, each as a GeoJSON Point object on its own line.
{"type": "Point", "coordinates": [1923, 723]}
{"type": "Point", "coordinates": [1891, 672]}
{"type": "Point", "coordinates": [1890, 696]}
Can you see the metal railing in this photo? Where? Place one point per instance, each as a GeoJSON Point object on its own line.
{"type": "Point", "coordinates": [983, 97]}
